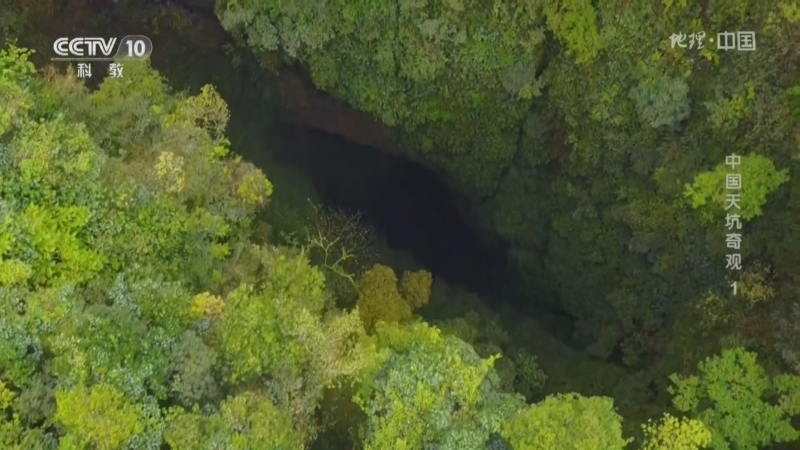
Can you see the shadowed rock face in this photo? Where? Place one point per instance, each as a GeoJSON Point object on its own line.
{"type": "Point", "coordinates": [310, 108]}
{"type": "Point", "coordinates": [307, 106]}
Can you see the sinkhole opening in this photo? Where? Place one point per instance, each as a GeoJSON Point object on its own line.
{"type": "Point", "coordinates": [410, 205]}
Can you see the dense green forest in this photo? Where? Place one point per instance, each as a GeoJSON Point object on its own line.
{"type": "Point", "coordinates": [160, 290]}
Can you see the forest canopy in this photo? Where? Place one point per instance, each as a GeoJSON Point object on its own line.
{"type": "Point", "coordinates": [587, 135]}
{"type": "Point", "coordinates": [145, 303]}
{"type": "Point", "coordinates": [157, 291]}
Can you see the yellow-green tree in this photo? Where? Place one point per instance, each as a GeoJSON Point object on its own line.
{"type": "Point", "coordinates": [379, 298]}
{"type": "Point", "coordinates": [671, 433]}
{"type": "Point", "coordinates": [567, 422]}
{"type": "Point", "coordinates": [97, 417]}
{"type": "Point", "coordinates": [758, 176]}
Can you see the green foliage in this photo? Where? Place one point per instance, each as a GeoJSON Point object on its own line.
{"type": "Point", "coordinates": [519, 371]}
{"type": "Point", "coordinates": [254, 325]}
{"type": "Point", "coordinates": [567, 421]}
{"type": "Point", "coordinates": [254, 188]}
{"type": "Point", "coordinates": [122, 116]}
{"type": "Point", "coordinates": [593, 173]}
{"type": "Point", "coordinates": [379, 299]}
{"type": "Point", "coordinates": [51, 234]}
{"type": "Point", "coordinates": [675, 434]}
{"type": "Point", "coordinates": [280, 331]}
{"type": "Point", "coordinates": [99, 417]}
{"type": "Point", "coordinates": [16, 73]}
{"type": "Point", "coordinates": [128, 273]}
{"type": "Point", "coordinates": [415, 287]}
{"type": "Point", "coordinates": [755, 285]}
{"type": "Point", "coordinates": [731, 398]}
{"type": "Point", "coordinates": [788, 342]}
{"type": "Point", "coordinates": [207, 111]}
{"type": "Point", "coordinates": [193, 365]}
{"type": "Point", "coordinates": [10, 428]}
{"type": "Point", "coordinates": [436, 68]}
{"type": "Point", "coordinates": [106, 231]}
{"type": "Point", "coordinates": [759, 179]}
{"type": "Point", "coordinates": [246, 421]}
{"type": "Point", "coordinates": [725, 112]}
{"type": "Point", "coordinates": [575, 24]}
{"type": "Point", "coordinates": [431, 390]}
{"type": "Point", "coordinates": [528, 375]}
{"type": "Point", "coordinates": [661, 100]}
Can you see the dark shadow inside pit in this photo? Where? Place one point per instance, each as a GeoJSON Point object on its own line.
{"type": "Point", "coordinates": [408, 203]}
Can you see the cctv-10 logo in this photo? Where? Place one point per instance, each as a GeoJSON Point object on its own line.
{"type": "Point", "coordinates": [130, 47]}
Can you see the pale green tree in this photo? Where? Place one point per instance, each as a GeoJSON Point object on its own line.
{"type": "Point", "coordinates": [743, 407]}
{"type": "Point", "coordinates": [429, 389]}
